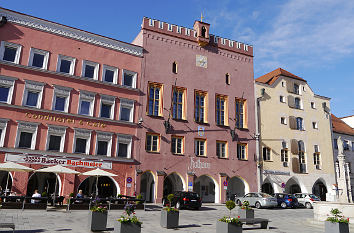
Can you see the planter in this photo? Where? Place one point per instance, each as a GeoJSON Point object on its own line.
{"type": "Point", "coordinates": [336, 227]}
{"type": "Point", "coordinates": [97, 221]}
{"type": "Point", "coordinates": [246, 213]}
{"type": "Point", "coordinates": [126, 227]}
{"type": "Point", "coordinates": [169, 219]}
{"type": "Point", "coordinates": [224, 227]}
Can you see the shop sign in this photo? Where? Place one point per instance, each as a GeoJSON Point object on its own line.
{"type": "Point", "coordinates": [198, 164]}
{"type": "Point", "coordinates": [46, 160]}
{"type": "Point", "coordinates": [276, 172]}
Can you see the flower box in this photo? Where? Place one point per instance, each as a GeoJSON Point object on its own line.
{"type": "Point", "coordinates": [244, 213]}
{"type": "Point", "coordinates": [336, 227]}
{"type": "Point", "coordinates": [126, 227]}
{"type": "Point", "coordinates": [169, 219]}
{"type": "Point", "coordinates": [224, 227]}
{"type": "Point", "coordinates": [97, 221]}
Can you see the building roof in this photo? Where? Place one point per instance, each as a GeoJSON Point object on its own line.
{"type": "Point", "coordinates": [271, 77]}
{"type": "Point", "coordinates": [340, 126]}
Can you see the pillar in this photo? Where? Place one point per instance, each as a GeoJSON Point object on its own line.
{"type": "Point", "coordinates": [160, 179]}
{"type": "Point", "coordinates": [223, 188]}
{"type": "Point", "coordinates": [190, 179]}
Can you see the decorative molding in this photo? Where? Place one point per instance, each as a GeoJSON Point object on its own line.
{"type": "Point", "coordinates": [7, 81]}
{"type": "Point", "coordinates": [63, 91]}
{"type": "Point", "coordinates": [56, 130]}
{"type": "Point", "coordinates": [87, 95]}
{"type": "Point", "coordinates": [104, 136]}
{"type": "Point", "coordinates": [108, 99]}
{"type": "Point", "coordinates": [124, 138]}
{"type": "Point", "coordinates": [32, 85]}
{"type": "Point", "coordinates": [82, 133]}
{"type": "Point", "coordinates": [27, 126]}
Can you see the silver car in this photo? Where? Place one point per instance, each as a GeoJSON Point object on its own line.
{"type": "Point", "coordinates": [258, 200]}
{"type": "Point", "coordinates": [306, 199]}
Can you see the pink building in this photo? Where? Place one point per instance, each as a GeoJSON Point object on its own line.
{"type": "Point", "coordinates": [67, 97]}
{"type": "Point", "coordinates": [198, 116]}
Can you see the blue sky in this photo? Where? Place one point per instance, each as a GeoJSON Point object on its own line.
{"type": "Point", "coordinates": [313, 39]}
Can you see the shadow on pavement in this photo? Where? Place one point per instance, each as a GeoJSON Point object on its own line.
{"type": "Point", "coordinates": [187, 226]}
{"type": "Point", "coordinates": [25, 231]}
{"type": "Point", "coordinates": [257, 228]}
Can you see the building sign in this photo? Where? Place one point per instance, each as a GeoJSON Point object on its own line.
{"type": "Point", "coordinates": [198, 164]}
{"type": "Point", "coordinates": [46, 160]}
{"type": "Point", "coordinates": [201, 130]}
{"type": "Point", "coordinates": [271, 172]}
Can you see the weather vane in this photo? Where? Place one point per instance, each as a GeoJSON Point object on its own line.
{"type": "Point", "coordinates": [201, 17]}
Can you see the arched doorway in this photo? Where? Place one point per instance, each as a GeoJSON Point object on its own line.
{"type": "Point", "coordinates": [207, 188]}
{"type": "Point", "coordinates": [3, 180]}
{"type": "Point", "coordinates": [319, 189]}
{"type": "Point", "coordinates": [292, 186]}
{"type": "Point", "coordinates": [172, 183]}
{"type": "Point", "coordinates": [235, 187]}
{"type": "Point", "coordinates": [106, 186]}
{"type": "Point", "coordinates": [267, 188]}
{"type": "Point", "coordinates": [147, 187]}
{"type": "Point", "coordinates": [44, 182]}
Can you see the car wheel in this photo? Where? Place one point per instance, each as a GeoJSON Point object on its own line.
{"type": "Point", "coordinates": [308, 205]}
{"type": "Point", "coordinates": [178, 205]}
{"type": "Point", "coordinates": [258, 205]}
{"type": "Point", "coordinates": [238, 202]}
{"type": "Point", "coordinates": [283, 205]}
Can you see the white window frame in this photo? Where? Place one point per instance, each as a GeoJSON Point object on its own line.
{"type": "Point", "coordinates": [41, 52]}
{"type": "Point", "coordinates": [125, 139]}
{"type": "Point", "coordinates": [198, 145]}
{"type": "Point", "coordinates": [8, 82]}
{"type": "Point", "coordinates": [83, 134]}
{"type": "Point", "coordinates": [89, 97]}
{"type": "Point", "coordinates": [111, 68]}
{"type": "Point", "coordinates": [313, 105]}
{"type": "Point", "coordinates": [3, 127]}
{"type": "Point", "coordinates": [32, 86]}
{"type": "Point", "coordinates": [268, 153]}
{"type": "Point", "coordinates": [107, 137]}
{"type": "Point", "coordinates": [90, 63]}
{"type": "Point", "coordinates": [72, 66]}
{"type": "Point", "coordinates": [28, 127]}
{"type": "Point", "coordinates": [18, 48]}
{"type": "Point", "coordinates": [107, 99]}
{"type": "Point", "coordinates": [54, 130]}
{"type": "Point", "coordinates": [126, 103]}
{"type": "Point", "coordinates": [60, 91]}
{"type": "Point", "coordinates": [135, 74]}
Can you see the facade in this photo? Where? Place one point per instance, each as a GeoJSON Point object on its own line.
{"type": "Point", "coordinates": [197, 116]}
{"type": "Point", "coordinates": [341, 129]}
{"type": "Point", "coordinates": [349, 120]}
{"type": "Point", "coordinates": [296, 153]}
{"type": "Point", "coordinates": [67, 97]}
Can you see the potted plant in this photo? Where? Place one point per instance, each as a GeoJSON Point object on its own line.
{"type": "Point", "coordinates": [128, 222]}
{"type": "Point", "coordinates": [228, 224]}
{"type": "Point", "coordinates": [169, 214]}
{"type": "Point", "coordinates": [336, 223]}
{"type": "Point", "coordinates": [98, 217]}
{"type": "Point", "coordinates": [139, 204]}
{"type": "Point", "coordinates": [245, 210]}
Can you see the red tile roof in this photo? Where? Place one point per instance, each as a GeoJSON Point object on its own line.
{"type": "Point", "coordinates": [340, 126]}
{"type": "Point", "coordinates": [271, 77]}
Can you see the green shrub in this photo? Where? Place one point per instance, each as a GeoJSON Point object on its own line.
{"type": "Point", "coordinates": [170, 198]}
{"type": "Point", "coordinates": [44, 194]}
{"type": "Point", "coordinates": [230, 205]}
{"type": "Point", "coordinates": [337, 217]}
{"type": "Point", "coordinates": [140, 197]}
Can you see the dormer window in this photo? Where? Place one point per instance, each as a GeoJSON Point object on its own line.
{"type": "Point", "coordinates": [203, 31]}
{"type": "Point", "coordinates": [174, 67]}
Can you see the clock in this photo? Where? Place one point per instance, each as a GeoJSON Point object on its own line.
{"type": "Point", "coordinates": [201, 61]}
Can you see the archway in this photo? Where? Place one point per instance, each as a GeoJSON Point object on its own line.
{"type": "Point", "coordinates": [147, 187]}
{"type": "Point", "coordinates": [267, 188]}
{"type": "Point", "coordinates": [172, 183]}
{"type": "Point", "coordinates": [44, 182]}
{"type": "Point", "coordinates": [319, 189]}
{"type": "Point", "coordinates": [235, 187]}
{"type": "Point", "coordinates": [3, 180]}
{"type": "Point", "coordinates": [292, 186]}
{"type": "Point", "coordinates": [106, 186]}
{"type": "Point", "coordinates": [207, 188]}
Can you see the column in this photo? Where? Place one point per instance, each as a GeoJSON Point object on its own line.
{"type": "Point", "coordinates": [190, 179]}
{"type": "Point", "coordinates": [160, 179]}
{"type": "Point", "coordinates": [223, 187]}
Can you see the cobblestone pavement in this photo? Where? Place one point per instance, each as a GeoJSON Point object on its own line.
{"type": "Point", "coordinates": [202, 221]}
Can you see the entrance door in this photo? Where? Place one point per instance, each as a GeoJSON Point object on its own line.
{"type": "Point", "coordinates": [205, 187]}
{"type": "Point", "coordinates": [106, 187]}
{"type": "Point", "coordinates": [147, 187]}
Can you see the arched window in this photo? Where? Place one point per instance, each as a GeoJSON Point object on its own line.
{"type": "Point", "coordinates": [174, 67]}
{"type": "Point", "coordinates": [227, 79]}
{"type": "Point", "coordinates": [203, 31]}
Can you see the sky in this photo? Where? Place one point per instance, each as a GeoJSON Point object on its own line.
{"type": "Point", "coordinates": [313, 39]}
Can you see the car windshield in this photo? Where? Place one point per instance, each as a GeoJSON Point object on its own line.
{"type": "Point", "coordinates": [265, 195]}
{"type": "Point", "coordinates": [314, 197]}
{"type": "Point", "coordinates": [195, 195]}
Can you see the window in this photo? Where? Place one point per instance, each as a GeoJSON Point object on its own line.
{"type": "Point", "coordinates": [10, 52]}
{"type": "Point", "coordinates": [155, 99]}
{"type": "Point", "coordinates": [345, 145]}
{"type": "Point", "coordinates": [90, 70]}
{"type": "Point", "coordinates": [38, 58]}
{"type": "Point", "coordinates": [284, 154]}
{"type": "Point", "coordinates": [129, 78]}
{"type": "Point", "coordinates": [200, 106]}
{"type": "Point", "coordinates": [56, 138]}
{"type": "Point", "coordinates": [124, 146]}
{"type": "Point", "coordinates": [266, 153]}
{"type": "Point", "coordinates": [299, 123]}
{"type": "Point", "coordinates": [66, 64]}
{"type": "Point", "coordinates": [314, 125]}
{"type": "Point", "coordinates": [3, 126]}
{"type": "Point", "coordinates": [221, 149]}
{"type": "Point", "coordinates": [316, 157]}
{"type": "Point", "coordinates": [199, 147]}
{"type": "Point", "coordinates": [352, 146]}
{"type": "Point", "coordinates": [107, 106]}
{"type": "Point", "coordinates": [6, 89]}
{"type": "Point", "coordinates": [221, 110]}
{"type": "Point", "coordinates": [296, 88]}
{"type": "Point", "coordinates": [297, 103]}
{"type": "Point", "coordinates": [178, 103]}
{"type": "Point", "coordinates": [283, 120]}
{"type": "Point", "coordinates": [241, 151]}
{"type": "Point", "coordinates": [86, 103]}
{"type": "Point", "coordinates": [282, 99]}
{"type": "Point", "coordinates": [282, 84]}
{"type": "Point", "coordinates": [82, 141]}
{"type": "Point", "coordinates": [61, 98]}
{"type": "Point", "coordinates": [302, 159]}
{"type": "Point", "coordinates": [336, 144]}
{"type": "Point", "coordinates": [177, 145]}
{"type": "Point", "coordinates": [152, 142]}
{"type": "Point", "coordinates": [26, 135]}
{"type": "Point", "coordinates": [174, 67]}
{"type": "Point", "coordinates": [110, 74]}
{"type": "Point", "coordinates": [104, 144]}
{"type": "Point", "coordinates": [313, 105]}
{"type": "Point", "coordinates": [227, 79]}
{"type": "Point", "coordinates": [240, 113]}
{"type": "Point", "coordinates": [126, 110]}
{"type": "Point", "coordinates": [32, 96]}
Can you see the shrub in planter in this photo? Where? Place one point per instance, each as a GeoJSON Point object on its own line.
{"type": "Point", "coordinates": [128, 222]}
{"type": "Point", "coordinates": [336, 223]}
{"type": "Point", "coordinates": [139, 204]}
{"type": "Point", "coordinates": [98, 218]}
{"type": "Point", "coordinates": [228, 224]}
{"type": "Point", "coordinates": [169, 214]}
{"type": "Point", "coordinates": [245, 210]}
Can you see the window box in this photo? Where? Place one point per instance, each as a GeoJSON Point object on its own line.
{"type": "Point", "coordinates": [10, 52]}
{"type": "Point", "coordinates": [38, 58]}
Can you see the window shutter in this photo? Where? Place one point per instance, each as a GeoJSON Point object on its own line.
{"type": "Point", "coordinates": [295, 165]}
{"type": "Point", "coordinates": [290, 86]}
{"type": "Point", "coordinates": [294, 147]}
{"type": "Point", "coordinates": [291, 101]}
{"type": "Point", "coordinates": [292, 122]}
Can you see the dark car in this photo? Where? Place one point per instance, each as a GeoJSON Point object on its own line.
{"type": "Point", "coordinates": [286, 200]}
{"type": "Point", "coordinates": [184, 199]}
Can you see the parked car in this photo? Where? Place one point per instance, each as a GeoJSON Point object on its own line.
{"type": "Point", "coordinates": [258, 200]}
{"type": "Point", "coordinates": [306, 199]}
{"type": "Point", "coordinates": [286, 200]}
{"type": "Point", "coordinates": [184, 199]}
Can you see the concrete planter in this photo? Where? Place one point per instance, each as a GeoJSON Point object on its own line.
{"type": "Point", "coordinates": [336, 227]}
{"type": "Point", "coordinates": [97, 221]}
{"type": "Point", "coordinates": [126, 227]}
{"type": "Point", "coordinates": [223, 227]}
{"type": "Point", "coordinates": [246, 213]}
{"type": "Point", "coordinates": [169, 219]}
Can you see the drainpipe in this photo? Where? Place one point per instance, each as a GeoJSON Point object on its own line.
{"type": "Point", "coordinates": [258, 138]}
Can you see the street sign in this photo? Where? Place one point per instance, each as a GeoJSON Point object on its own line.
{"type": "Point", "coordinates": [283, 185]}
{"type": "Point", "coordinates": [129, 180]}
{"type": "Point", "coordinates": [225, 183]}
